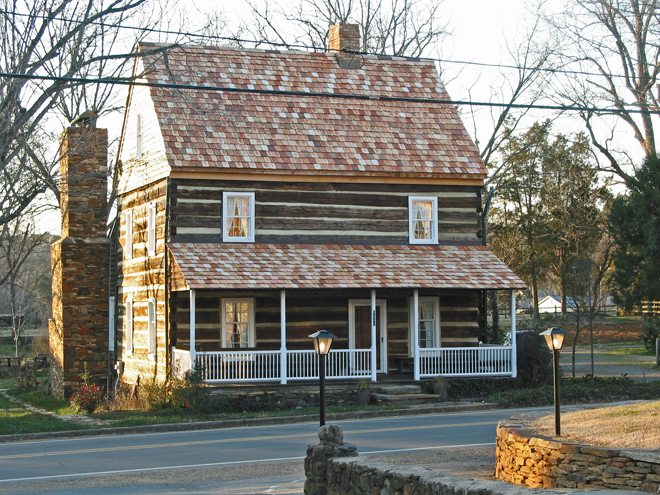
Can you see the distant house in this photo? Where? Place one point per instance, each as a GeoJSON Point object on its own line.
{"type": "Point", "coordinates": [249, 219]}
{"type": "Point", "coordinates": [552, 304]}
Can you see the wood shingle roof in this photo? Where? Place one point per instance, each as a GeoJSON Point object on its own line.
{"type": "Point", "coordinates": [267, 266]}
{"type": "Point", "coordinates": [291, 133]}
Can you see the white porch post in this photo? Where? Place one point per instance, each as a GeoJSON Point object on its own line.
{"type": "Point", "coordinates": [373, 335]}
{"type": "Point", "coordinates": [416, 335]}
{"type": "Point", "coordinates": [193, 358]}
{"type": "Point", "coordinates": [514, 359]}
{"type": "Point", "coordinates": [283, 337]}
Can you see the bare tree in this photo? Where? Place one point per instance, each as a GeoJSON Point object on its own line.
{"type": "Point", "coordinates": [47, 45]}
{"type": "Point", "coordinates": [18, 243]}
{"type": "Point", "coordinates": [397, 27]}
{"type": "Point", "coordinates": [614, 47]}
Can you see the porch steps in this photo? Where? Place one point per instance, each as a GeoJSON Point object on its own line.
{"type": "Point", "coordinates": [403, 395]}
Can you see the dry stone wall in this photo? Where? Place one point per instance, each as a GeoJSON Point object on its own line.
{"type": "Point", "coordinates": [527, 459]}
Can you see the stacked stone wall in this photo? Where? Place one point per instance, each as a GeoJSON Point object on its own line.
{"type": "Point", "coordinates": [288, 398]}
{"type": "Point", "coordinates": [527, 459]}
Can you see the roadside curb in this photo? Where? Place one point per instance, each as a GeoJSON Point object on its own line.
{"type": "Point", "coordinates": [244, 422]}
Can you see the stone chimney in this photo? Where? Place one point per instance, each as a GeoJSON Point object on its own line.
{"type": "Point", "coordinates": [78, 331]}
{"type": "Point", "coordinates": [345, 37]}
{"type": "Point", "coordinates": [83, 172]}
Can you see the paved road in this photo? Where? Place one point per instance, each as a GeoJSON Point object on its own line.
{"type": "Point", "coordinates": [231, 461]}
{"type": "Point", "coordinates": [608, 364]}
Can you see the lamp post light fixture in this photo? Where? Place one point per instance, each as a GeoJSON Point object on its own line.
{"type": "Point", "coordinates": [554, 337]}
{"type": "Point", "coordinates": [322, 343]}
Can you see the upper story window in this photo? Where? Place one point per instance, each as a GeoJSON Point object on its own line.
{"type": "Point", "coordinates": [238, 217]}
{"type": "Point", "coordinates": [151, 229]}
{"type": "Point", "coordinates": [128, 245]}
{"type": "Point", "coordinates": [423, 220]}
{"type": "Point", "coordinates": [138, 135]}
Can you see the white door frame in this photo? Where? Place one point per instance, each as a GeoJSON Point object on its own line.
{"type": "Point", "coordinates": [382, 305]}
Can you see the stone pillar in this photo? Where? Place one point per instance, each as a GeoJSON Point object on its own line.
{"type": "Point", "coordinates": [78, 331]}
{"type": "Point", "coordinates": [316, 463]}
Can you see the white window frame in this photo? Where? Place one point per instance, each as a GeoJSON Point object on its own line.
{"type": "Point", "coordinates": [128, 245]}
{"type": "Point", "coordinates": [130, 328]}
{"type": "Point", "coordinates": [225, 236]}
{"type": "Point", "coordinates": [152, 341]}
{"type": "Point", "coordinates": [434, 220]}
{"type": "Point", "coordinates": [436, 312]}
{"type": "Point", "coordinates": [251, 322]}
{"type": "Point", "coordinates": [138, 135]}
{"type": "Point", "coordinates": [151, 228]}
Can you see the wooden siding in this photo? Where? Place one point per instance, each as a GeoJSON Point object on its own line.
{"type": "Point", "coordinates": [139, 170]}
{"type": "Point", "coordinates": [142, 277]}
{"type": "Point", "coordinates": [324, 213]}
{"type": "Point", "coordinates": [310, 311]}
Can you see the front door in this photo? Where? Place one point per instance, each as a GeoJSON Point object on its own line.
{"type": "Point", "coordinates": [359, 327]}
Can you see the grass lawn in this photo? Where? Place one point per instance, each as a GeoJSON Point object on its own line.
{"type": "Point", "coordinates": [16, 422]}
{"type": "Point", "coordinates": [629, 426]}
{"type": "Point", "coordinates": [631, 351]}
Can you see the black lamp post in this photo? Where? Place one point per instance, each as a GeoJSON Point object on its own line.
{"type": "Point", "coordinates": [554, 337]}
{"type": "Point", "coordinates": [322, 343]}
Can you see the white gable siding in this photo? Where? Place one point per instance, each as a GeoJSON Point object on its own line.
{"type": "Point", "coordinates": [142, 169]}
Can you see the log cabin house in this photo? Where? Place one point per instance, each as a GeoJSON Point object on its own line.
{"type": "Point", "coordinates": [290, 192]}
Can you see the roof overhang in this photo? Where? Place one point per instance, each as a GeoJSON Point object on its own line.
{"type": "Point", "coordinates": [297, 266]}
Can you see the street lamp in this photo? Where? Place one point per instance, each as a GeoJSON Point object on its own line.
{"type": "Point", "coordinates": [554, 337]}
{"type": "Point", "coordinates": [322, 343]}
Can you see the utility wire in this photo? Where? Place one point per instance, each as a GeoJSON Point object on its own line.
{"type": "Point", "coordinates": [307, 47]}
{"type": "Point", "coordinates": [273, 92]}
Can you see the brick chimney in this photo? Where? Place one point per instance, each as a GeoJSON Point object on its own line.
{"type": "Point", "coordinates": [78, 331]}
{"type": "Point", "coordinates": [345, 37]}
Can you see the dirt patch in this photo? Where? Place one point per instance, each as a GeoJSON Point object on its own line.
{"type": "Point", "coordinates": [606, 333]}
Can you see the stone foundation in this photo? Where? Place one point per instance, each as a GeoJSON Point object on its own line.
{"type": "Point", "coordinates": [527, 459]}
{"type": "Point", "coordinates": [316, 463]}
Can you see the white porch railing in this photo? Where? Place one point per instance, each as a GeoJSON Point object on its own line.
{"type": "Point", "coordinates": [343, 363]}
{"type": "Point", "coordinates": [259, 366]}
{"type": "Point", "coordinates": [466, 361]}
{"type": "Point", "coordinates": [239, 366]}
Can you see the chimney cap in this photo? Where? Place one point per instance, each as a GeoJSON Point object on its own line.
{"type": "Point", "coordinates": [85, 119]}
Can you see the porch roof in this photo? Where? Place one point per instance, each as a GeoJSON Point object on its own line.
{"type": "Point", "coordinates": [304, 266]}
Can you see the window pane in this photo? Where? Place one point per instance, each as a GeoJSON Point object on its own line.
{"type": "Point", "coordinates": [422, 219]}
{"type": "Point", "coordinates": [237, 221]}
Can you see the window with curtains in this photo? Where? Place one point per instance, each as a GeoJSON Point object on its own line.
{"type": "Point", "coordinates": [429, 323]}
{"type": "Point", "coordinates": [237, 217]}
{"type": "Point", "coordinates": [238, 323]}
{"type": "Point", "coordinates": [423, 220]}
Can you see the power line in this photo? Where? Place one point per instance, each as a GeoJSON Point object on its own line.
{"type": "Point", "coordinates": [308, 94]}
{"type": "Point", "coordinates": [307, 47]}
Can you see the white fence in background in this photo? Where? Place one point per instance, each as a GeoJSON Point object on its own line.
{"type": "Point", "coordinates": [490, 360]}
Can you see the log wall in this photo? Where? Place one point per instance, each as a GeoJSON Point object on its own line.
{"type": "Point", "coordinates": [324, 213]}
{"type": "Point", "coordinates": [142, 277]}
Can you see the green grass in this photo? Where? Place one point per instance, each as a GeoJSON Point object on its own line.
{"type": "Point", "coordinates": [631, 351]}
{"type": "Point", "coordinates": [580, 391]}
{"type": "Point", "coordinates": [17, 422]}
{"type": "Point", "coordinates": [39, 399]}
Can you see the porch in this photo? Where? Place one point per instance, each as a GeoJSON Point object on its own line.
{"type": "Point", "coordinates": [243, 313]}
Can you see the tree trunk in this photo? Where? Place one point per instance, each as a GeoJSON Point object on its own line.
{"type": "Point", "coordinates": [577, 334]}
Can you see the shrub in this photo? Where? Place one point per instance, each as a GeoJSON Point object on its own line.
{"type": "Point", "coordinates": [87, 398]}
{"type": "Point", "coordinates": [534, 361]}
{"type": "Point", "coordinates": [650, 332]}
{"type": "Point", "coordinates": [26, 377]}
